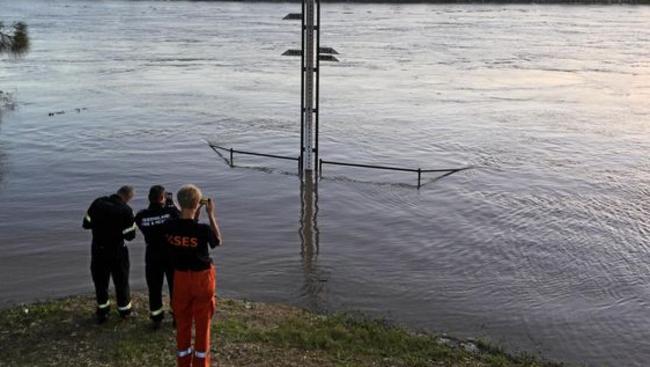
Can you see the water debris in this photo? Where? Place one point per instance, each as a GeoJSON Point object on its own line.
{"type": "Point", "coordinates": [7, 101]}
{"type": "Point", "coordinates": [78, 110]}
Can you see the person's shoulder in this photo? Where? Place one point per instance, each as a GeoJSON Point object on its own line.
{"type": "Point", "coordinates": [101, 203]}
{"type": "Point", "coordinates": [198, 224]}
{"type": "Point", "coordinates": [204, 228]}
{"type": "Point", "coordinates": [127, 209]}
{"type": "Point", "coordinates": [99, 200]}
{"type": "Point", "coordinates": [123, 210]}
{"type": "Point", "coordinates": [193, 225]}
{"type": "Point", "coordinates": [152, 211]}
{"type": "Point", "coordinates": [171, 223]}
{"type": "Point", "coordinates": [143, 213]}
{"type": "Point", "coordinates": [172, 211]}
{"type": "Point", "coordinates": [177, 226]}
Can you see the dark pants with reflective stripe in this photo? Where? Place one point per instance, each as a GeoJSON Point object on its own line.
{"type": "Point", "coordinates": [157, 268]}
{"type": "Point", "coordinates": [111, 263]}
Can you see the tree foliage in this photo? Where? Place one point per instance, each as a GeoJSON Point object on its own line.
{"type": "Point", "coordinates": [14, 40]}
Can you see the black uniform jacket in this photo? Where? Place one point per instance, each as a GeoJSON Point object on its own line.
{"type": "Point", "coordinates": [151, 220]}
{"type": "Point", "coordinates": [111, 222]}
{"type": "Point", "coordinates": [188, 242]}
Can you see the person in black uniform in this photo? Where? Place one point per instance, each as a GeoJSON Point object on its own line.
{"type": "Point", "coordinates": [111, 221]}
{"type": "Point", "coordinates": [157, 262]}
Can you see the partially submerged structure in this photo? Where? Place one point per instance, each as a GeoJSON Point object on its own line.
{"type": "Point", "coordinates": [310, 165]}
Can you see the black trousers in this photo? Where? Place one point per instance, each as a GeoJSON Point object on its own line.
{"type": "Point", "coordinates": [157, 268]}
{"type": "Point", "coordinates": [107, 264]}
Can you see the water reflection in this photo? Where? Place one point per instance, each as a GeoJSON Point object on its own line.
{"type": "Point", "coordinates": [3, 166]}
{"type": "Point", "coordinates": [3, 155]}
{"type": "Point", "coordinates": [313, 289]}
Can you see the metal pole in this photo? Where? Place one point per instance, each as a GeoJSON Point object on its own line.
{"type": "Point", "coordinates": [302, 88]}
{"type": "Point", "coordinates": [419, 177]}
{"type": "Point", "coordinates": [308, 52]}
{"type": "Point", "coordinates": [232, 163]}
{"type": "Point", "coordinates": [317, 113]}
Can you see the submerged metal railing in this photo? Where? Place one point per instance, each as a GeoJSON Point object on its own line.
{"type": "Point", "coordinates": [233, 151]}
{"type": "Point", "coordinates": [322, 162]}
{"type": "Point", "coordinates": [419, 171]}
{"type": "Point", "coordinates": [237, 151]}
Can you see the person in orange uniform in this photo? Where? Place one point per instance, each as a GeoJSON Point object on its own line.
{"type": "Point", "coordinates": [193, 300]}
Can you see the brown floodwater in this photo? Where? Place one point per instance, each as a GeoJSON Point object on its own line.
{"type": "Point", "coordinates": [543, 247]}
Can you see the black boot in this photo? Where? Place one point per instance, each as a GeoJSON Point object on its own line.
{"type": "Point", "coordinates": [125, 312]}
{"type": "Point", "coordinates": [157, 320]}
{"type": "Point", "coordinates": [102, 315]}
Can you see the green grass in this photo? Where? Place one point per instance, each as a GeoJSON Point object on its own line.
{"type": "Point", "coordinates": [63, 333]}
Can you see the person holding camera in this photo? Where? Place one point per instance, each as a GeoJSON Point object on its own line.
{"type": "Point", "coordinates": [157, 262]}
{"type": "Point", "coordinates": [111, 221]}
{"type": "Point", "coordinates": [193, 299]}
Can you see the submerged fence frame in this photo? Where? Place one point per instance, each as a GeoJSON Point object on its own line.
{"type": "Point", "coordinates": [236, 151]}
{"type": "Point", "coordinates": [321, 162]}
{"type": "Point", "coordinates": [419, 171]}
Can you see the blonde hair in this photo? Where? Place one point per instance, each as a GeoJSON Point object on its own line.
{"type": "Point", "coordinates": [189, 196]}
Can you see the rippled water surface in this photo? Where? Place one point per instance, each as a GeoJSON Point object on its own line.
{"type": "Point", "coordinates": [543, 247]}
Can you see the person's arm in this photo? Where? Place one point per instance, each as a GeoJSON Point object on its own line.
{"type": "Point", "coordinates": [129, 226]}
{"type": "Point", "coordinates": [169, 201]}
{"type": "Point", "coordinates": [197, 214]}
{"type": "Point", "coordinates": [87, 221]}
{"type": "Point", "coordinates": [138, 220]}
{"type": "Point", "coordinates": [216, 238]}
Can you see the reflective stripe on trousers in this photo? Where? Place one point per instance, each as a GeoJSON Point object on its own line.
{"type": "Point", "coordinates": [194, 303]}
{"type": "Point", "coordinates": [184, 352]}
{"type": "Point", "coordinates": [198, 354]}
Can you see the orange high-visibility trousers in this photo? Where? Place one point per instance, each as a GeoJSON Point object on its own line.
{"type": "Point", "coordinates": [193, 302]}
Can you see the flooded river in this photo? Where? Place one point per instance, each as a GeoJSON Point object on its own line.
{"type": "Point", "coordinates": [542, 247]}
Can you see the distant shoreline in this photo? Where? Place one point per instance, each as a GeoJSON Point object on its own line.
{"type": "Point", "coordinates": [459, 2]}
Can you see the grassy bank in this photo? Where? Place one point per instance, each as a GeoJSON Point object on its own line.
{"type": "Point", "coordinates": [63, 333]}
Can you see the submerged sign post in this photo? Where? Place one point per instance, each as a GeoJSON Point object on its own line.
{"type": "Point", "coordinates": [308, 70]}
{"type": "Point", "coordinates": [310, 54]}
